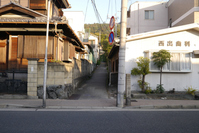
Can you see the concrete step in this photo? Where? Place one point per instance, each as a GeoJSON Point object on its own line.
{"type": "Point", "coordinates": [13, 96]}
{"type": "Point", "coordinates": [138, 96]}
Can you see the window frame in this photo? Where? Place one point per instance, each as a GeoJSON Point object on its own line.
{"type": "Point", "coordinates": [149, 15]}
{"type": "Point", "coordinates": [149, 55]}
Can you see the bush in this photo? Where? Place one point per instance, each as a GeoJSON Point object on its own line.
{"type": "Point", "coordinates": [56, 61]}
{"type": "Point", "coordinates": [98, 62]}
{"type": "Point", "coordinates": [190, 90]}
{"type": "Point", "coordinates": [148, 90]}
{"type": "Point", "coordinates": [159, 89]}
{"type": "Point", "coordinates": [140, 83]}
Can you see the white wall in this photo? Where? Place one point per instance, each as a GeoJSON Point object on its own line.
{"type": "Point", "coordinates": [76, 20]}
{"type": "Point", "coordinates": [88, 51]}
{"type": "Point", "coordinates": [96, 48]}
{"type": "Point", "coordinates": [170, 80]}
{"type": "Point", "coordinates": [139, 24]}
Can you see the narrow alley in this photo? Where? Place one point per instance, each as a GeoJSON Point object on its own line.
{"type": "Point", "coordinates": [95, 87]}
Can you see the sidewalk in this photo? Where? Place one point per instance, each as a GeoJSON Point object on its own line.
{"type": "Point", "coordinates": [99, 104]}
{"type": "Point", "coordinates": [164, 104]}
{"type": "Point", "coordinates": [57, 103]}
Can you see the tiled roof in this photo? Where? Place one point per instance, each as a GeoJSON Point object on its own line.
{"type": "Point", "coordinates": [37, 19]}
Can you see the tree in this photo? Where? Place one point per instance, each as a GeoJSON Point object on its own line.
{"type": "Point", "coordinates": [160, 59]}
{"type": "Point", "coordinates": [143, 69]}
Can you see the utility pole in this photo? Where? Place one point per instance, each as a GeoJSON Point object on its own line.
{"type": "Point", "coordinates": [121, 72]}
{"type": "Point", "coordinates": [46, 59]}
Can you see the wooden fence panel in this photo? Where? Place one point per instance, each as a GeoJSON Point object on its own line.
{"type": "Point", "coordinates": [38, 4]}
{"type": "Point", "coordinates": [3, 55]}
{"type": "Point", "coordinates": [14, 50]}
{"type": "Point", "coordinates": [20, 47]}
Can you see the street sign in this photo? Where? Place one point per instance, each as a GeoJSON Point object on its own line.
{"type": "Point", "coordinates": [111, 38]}
{"type": "Point", "coordinates": [112, 23]}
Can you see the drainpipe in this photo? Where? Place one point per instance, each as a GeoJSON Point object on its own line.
{"type": "Point", "coordinates": [138, 18]}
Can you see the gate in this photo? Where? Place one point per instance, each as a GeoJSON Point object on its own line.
{"type": "Point", "coordinates": [12, 85]}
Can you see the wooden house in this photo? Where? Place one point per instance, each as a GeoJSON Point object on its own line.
{"type": "Point", "coordinates": [113, 64]}
{"type": "Point", "coordinates": [23, 33]}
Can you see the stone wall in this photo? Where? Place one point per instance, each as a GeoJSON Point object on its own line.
{"type": "Point", "coordinates": [61, 77]}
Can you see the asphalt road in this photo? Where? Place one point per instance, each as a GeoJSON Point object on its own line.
{"type": "Point", "coordinates": [99, 121]}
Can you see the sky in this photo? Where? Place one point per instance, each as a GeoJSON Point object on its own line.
{"type": "Point", "coordinates": [106, 9]}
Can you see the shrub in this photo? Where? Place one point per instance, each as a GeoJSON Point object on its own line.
{"type": "Point", "coordinates": [159, 89]}
{"type": "Point", "coordinates": [142, 69]}
{"type": "Point", "coordinates": [140, 83]}
{"type": "Point", "coordinates": [98, 62]}
{"type": "Point", "coordinates": [56, 61]}
{"type": "Point", "coordinates": [190, 90]}
{"type": "Point", "coordinates": [148, 90]}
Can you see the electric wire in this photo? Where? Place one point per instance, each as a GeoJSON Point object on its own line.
{"type": "Point", "coordinates": [115, 8]}
{"type": "Point", "coordinates": [86, 11]}
{"type": "Point", "coordinates": [108, 10]}
{"type": "Point", "coordinates": [98, 16]}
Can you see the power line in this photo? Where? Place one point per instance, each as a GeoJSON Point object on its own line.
{"type": "Point", "coordinates": [98, 15]}
{"type": "Point", "coordinates": [108, 9]}
{"type": "Point", "coordinates": [115, 8]}
{"type": "Point", "coordinates": [86, 11]}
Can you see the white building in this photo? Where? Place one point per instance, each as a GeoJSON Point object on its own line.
{"type": "Point", "coordinates": [93, 40]}
{"type": "Point", "coordinates": [183, 12]}
{"type": "Point", "coordinates": [147, 16]}
{"type": "Point", "coordinates": [76, 21]}
{"type": "Point", "coordinates": [182, 42]}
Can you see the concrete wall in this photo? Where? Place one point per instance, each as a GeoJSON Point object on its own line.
{"type": "Point", "coordinates": [177, 8]}
{"type": "Point", "coordinates": [57, 74]}
{"type": "Point", "coordinates": [32, 78]}
{"type": "Point", "coordinates": [177, 80]}
{"type": "Point", "coordinates": [139, 24]}
{"type": "Point", "coordinates": [81, 68]}
{"type": "Point", "coordinates": [183, 12]}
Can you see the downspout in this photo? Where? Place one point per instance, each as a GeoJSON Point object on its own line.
{"type": "Point", "coordinates": [138, 18]}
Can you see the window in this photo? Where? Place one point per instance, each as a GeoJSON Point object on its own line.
{"type": "Point", "coordinates": [180, 62]}
{"type": "Point", "coordinates": [128, 31]}
{"type": "Point", "coordinates": [170, 22]}
{"type": "Point", "coordinates": [149, 14]}
{"type": "Point", "coordinates": [128, 14]}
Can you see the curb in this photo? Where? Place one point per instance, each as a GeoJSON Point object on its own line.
{"type": "Point", "coordinates": [13, 106]}
{"type": "Point", "coordinates": [164, 107]}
